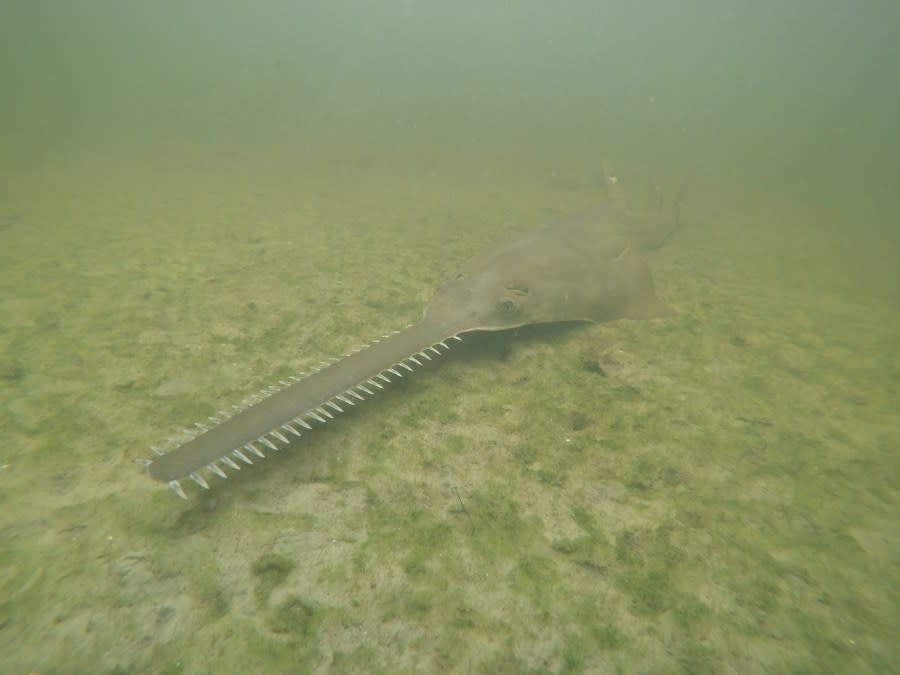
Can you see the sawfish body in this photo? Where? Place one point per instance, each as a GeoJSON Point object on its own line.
{"type": "Point", "coordinates": [586, 267]}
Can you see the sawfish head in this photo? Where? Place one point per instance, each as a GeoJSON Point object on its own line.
{"type": "Point", "coordinates": [581, 270]}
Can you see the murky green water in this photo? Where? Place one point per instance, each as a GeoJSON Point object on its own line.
{"type": "Point", "coordinates": [193, 206]}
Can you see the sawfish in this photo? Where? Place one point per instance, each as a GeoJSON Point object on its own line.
{"type": "Point", "coordinates": [583, 268]}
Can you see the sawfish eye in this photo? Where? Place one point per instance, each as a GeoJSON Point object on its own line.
{"type": "Point", "coordinates": [518, 288]}
{"type": "Point", "coordinates": [508, 306]}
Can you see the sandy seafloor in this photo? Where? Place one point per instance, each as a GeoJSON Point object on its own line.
{"type": "Point", "coordinates": [716, 492]}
